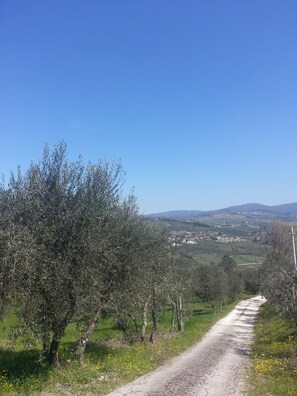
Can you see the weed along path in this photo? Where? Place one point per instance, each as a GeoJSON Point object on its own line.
{"type": "Point", "coordinates": [212, 367]}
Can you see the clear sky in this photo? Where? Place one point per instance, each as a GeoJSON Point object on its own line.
{"type": "Point", "coordinates": [198, 99]}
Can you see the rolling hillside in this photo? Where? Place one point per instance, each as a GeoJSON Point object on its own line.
{"type": "Point", "coordinates": [285, 212]}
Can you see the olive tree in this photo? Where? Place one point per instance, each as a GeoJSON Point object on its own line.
{"type": "Point", "coordinates": [139, 278]}
{"type": "Point", "coordinates": [51, 228]}
{"type": "Point", "coordinates": [181, 282]}
{"type": "Point", "coordinates": [233, 279]}
{"type": "Point", "coordinates": [114, 251]}
{"type": "Point", "coordinates": [212, 285]}
{"type": "Point", "coordinates": [279, 278]}
{"type": "Point", "coordinates": [7, 283]}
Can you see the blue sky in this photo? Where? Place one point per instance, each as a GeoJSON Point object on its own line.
{"type": "Point", "coordinates": [198, 99]}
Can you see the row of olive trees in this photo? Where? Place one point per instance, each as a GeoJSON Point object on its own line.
{"type": "Point", "coordinates": [72, 249]}
{"type": "Point", "coordinates": [279, 278]}
{"type": "Point", "coordinates": [219, 283]}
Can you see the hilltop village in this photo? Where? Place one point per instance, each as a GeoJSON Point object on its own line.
{"type": "Point", "coordinates": [177, 238]}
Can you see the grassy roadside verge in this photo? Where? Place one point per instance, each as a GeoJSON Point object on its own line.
{"type": "Point", "coordinates": [108, 362]}
{"type": "Point", "coordinates": [274, 369]}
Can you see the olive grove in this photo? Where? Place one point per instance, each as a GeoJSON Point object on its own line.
{"type": "Point", "coordinates": [72, 249]}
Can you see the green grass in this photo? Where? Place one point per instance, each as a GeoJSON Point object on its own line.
{"type": "Point", "coordinates": [242, 259]}
{"type": "Point", "coordinates": [207, 258]}
{"type": "Point", "coordinates": [108, 361]}
{"type": "Point", "coordinates": [274, 369]}
{"type": "Point", "coordinates": [210, 247]}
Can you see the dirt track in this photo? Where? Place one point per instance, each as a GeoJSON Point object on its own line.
{"type": "Point", "coordinates": [213, 367]}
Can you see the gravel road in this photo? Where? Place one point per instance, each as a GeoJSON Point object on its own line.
{"type": "Point", "coordinates": [212, 367]}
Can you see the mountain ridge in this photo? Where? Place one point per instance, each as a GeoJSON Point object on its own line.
{"type": "Point", "coordinates": [288, 210]}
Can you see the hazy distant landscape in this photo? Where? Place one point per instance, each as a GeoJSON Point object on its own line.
{"type": "Point", "coordinates": [246, 212]}
{"type": "Point", "coordinates": [238, 231]}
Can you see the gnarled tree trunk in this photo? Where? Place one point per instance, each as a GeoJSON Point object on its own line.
{"type": "Point", "coordinates": [154, 316]}
{"type": "Point", "coordinates": [179, 314]}
{"type": "Point", "coordinates": [172, 316]}
{"type": "Point", "coordinates": [82, 343]}
{"type": "Point", "coordinates": [144, 319]}
{"type": "Point", "coordinates": [58, 329]}
{"type": "Point", "coordinates": [46, 342]}
{"type": "Point", "coordinates": [124, 327]}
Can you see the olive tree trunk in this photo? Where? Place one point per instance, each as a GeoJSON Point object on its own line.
{"type": "Point", "coordinates": [179, 314]}
{"type": "Point", "coordinates": [82, 343]}
{"type": "Point", "coordinates": [144, 319]}
{"type": "Point", "coordinates": [154, 316]}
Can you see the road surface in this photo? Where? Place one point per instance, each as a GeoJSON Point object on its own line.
{"type": "Point", "coordinates": [212, 367]}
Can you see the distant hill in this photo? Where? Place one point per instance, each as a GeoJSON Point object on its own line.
{"type": "Point", "coordinates": [176, 214]}
{"type": "Point", "coordinates": [262, 212]}
{"type": "Point", "coordinates": [255, 207]}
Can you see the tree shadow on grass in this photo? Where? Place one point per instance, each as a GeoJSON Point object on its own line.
{"type": "Point", "coordinates": [24, 370]}
{"type": "Point", "coordinates": [20, 366]}
{"type": "Point", "coordinates": [197, 312]}
{"type": "Point", "coordinates": [97, 351]}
